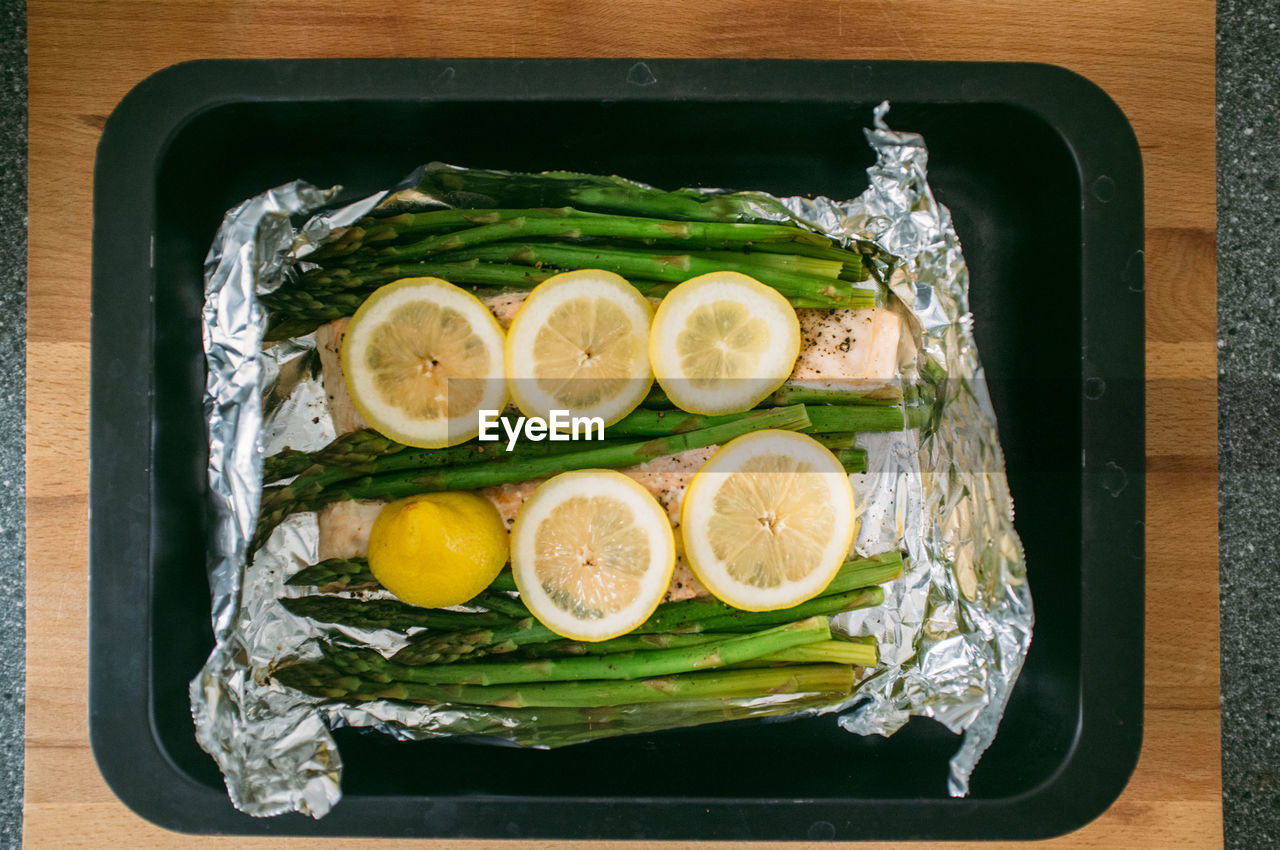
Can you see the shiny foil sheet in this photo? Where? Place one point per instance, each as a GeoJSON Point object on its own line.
{"type": "Point", "coordinates": [953, 631]}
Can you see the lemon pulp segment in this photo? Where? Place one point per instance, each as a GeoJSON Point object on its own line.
{"type": "Point", "coordinates": [720, 340]}
{"type": "Point", "coordinates": [591, 556]}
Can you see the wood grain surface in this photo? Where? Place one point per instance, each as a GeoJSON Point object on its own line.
{"type": "Point", "coordinates": [1155, 60]}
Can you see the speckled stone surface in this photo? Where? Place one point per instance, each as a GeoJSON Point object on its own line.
{"type": "Point", "coordinates": [13, 326]}
{"type": "Point", "coordinates": [1249, 416]}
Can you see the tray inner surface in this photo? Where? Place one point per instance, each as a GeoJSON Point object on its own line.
{"type": "Point", "coordinates": [1022, 243]}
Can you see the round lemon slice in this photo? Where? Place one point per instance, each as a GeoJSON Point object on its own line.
{"type": "Point", "coordinates": [421, 358]}
{"type": "Point", "coordinates": [592, 553]}
{"type": "Point", "coordinates": [768, 520]}
{"type": "Point", "coordinates": [722, 342]}
{"type": "Point", "coordinates": [580, 344]}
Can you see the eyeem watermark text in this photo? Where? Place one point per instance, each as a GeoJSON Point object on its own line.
{"type": "Point", "coordinates": [560, 426]}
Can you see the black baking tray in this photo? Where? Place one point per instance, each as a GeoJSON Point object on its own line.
{"type": "Point", "coordinates": [1043, 177]}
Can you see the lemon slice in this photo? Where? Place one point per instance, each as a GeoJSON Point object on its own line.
{"type": "Point", "coordinates": [592, 553]}
{"type": "Point", "coordinates": [421, 358]}
{"type": "Point", "coordinates": [722, 342]}
{"type": "Point", "coordinates": [580, 343]}
{"type": "Point", "coordinates": [768, 520]}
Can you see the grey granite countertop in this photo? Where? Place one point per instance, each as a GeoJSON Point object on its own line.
{"type": "Point", "coordinates": [1249, 416]}
{"type": "Point", "coordinates": [13, 326]}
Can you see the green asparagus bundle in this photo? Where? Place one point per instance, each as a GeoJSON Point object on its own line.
{"type": "Point", "coordinates": [452, 635]}
{"type": "Point", "coordinates": [322, 680]}
{"type": "Point", "coordinates": [670, 657]}
{"type": "Point", "coordinates": [655, 239]}
{"type": "Point", "coordinates": [431, 647]}
{"type": "Point", "coordinates": [352, 574]}
{"type": "Point", "coordinates": [568, 223]}
{"type": "Point", "coordinates": [723, 650]}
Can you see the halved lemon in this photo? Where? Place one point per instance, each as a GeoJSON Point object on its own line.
{"type": "Point", "coordinates": [721, 342]}
{"type": "Point", "coordinates": [768, 520]}
{"type": "Point", "coordinates": [580, 343]}
{"type": "Point", "coordinates": [421, 358]}
{"type": "Point", "coordinates": [592, 553]}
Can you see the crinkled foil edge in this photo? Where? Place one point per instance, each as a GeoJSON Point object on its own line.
{"type": "Point", "coordinates": [953, 631]}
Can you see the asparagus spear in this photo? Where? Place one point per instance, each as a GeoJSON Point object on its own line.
{"type": "Point", "coordinates": [387, 614]}
{"type": "Point", "coordinates": [730, 649]}
{"type": "Point", "coordinates": [826, 419]}
{"type": "Point", "coordinates": [285, 464]}
{"type": "Point", "coordinates": [374, 454]}
{"type": "Point", "coordinates": [626, 643]}
{"type": "Point", "coordinates": [322, 295]}
{"type": "Point", "coordinates": [373, 230]}
{"type": "Point", "coordinates": [644, 422]}
{"type": "Point", "coordinates": [711, 615]}
{"type": "Point", "coordinates": [734, 620]}
{"type": "Point", "coordinates": [833, 651]}
{"type": "Point", "coordinates": [674, 268]}
{"type": "Point", "coordinates": [442, 648]}
{"type": "Point", "coordinates": [472, 186]}
{"type": "Point", "coordinates": [838, 440]}
{"type": "Point", "coordinates": [853, 460]}
{"type": "Point", "coordinates": [354, 450]}
{"type": "Point", "coordinates": [335, 574]}
{"type": "Point", "coordinates": [500, 603]}
{"type": "Point", "coordinates": [322, 680]}
{"type": "Point", "coordinates": [839, 650]}
{"type": "Point", "coordinates": [793, 394]}
{"type": "Point", "coordinates": [648, 230]}
{"type": "Point", "coordinates": [853, 574]}
{"type": "Point", "coordinates": [657, 398]}
{"type": "Point", "coordinates": [366, 451]}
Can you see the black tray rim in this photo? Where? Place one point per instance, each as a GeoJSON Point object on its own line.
{"type": "Point", "coordinates": [1095, 130]}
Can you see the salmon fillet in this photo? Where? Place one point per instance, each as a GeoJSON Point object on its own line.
{"type": "Point", "coordinates": [329, 346]}
{"type": "Point", "coordinates": [847, 349]}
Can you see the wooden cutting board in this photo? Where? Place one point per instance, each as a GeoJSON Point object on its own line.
{"type": "Point", "coordinates": [1155, 60]}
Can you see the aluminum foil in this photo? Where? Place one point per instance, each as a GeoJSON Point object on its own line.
{"type": "Point", "coordinates": [953, 631]}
